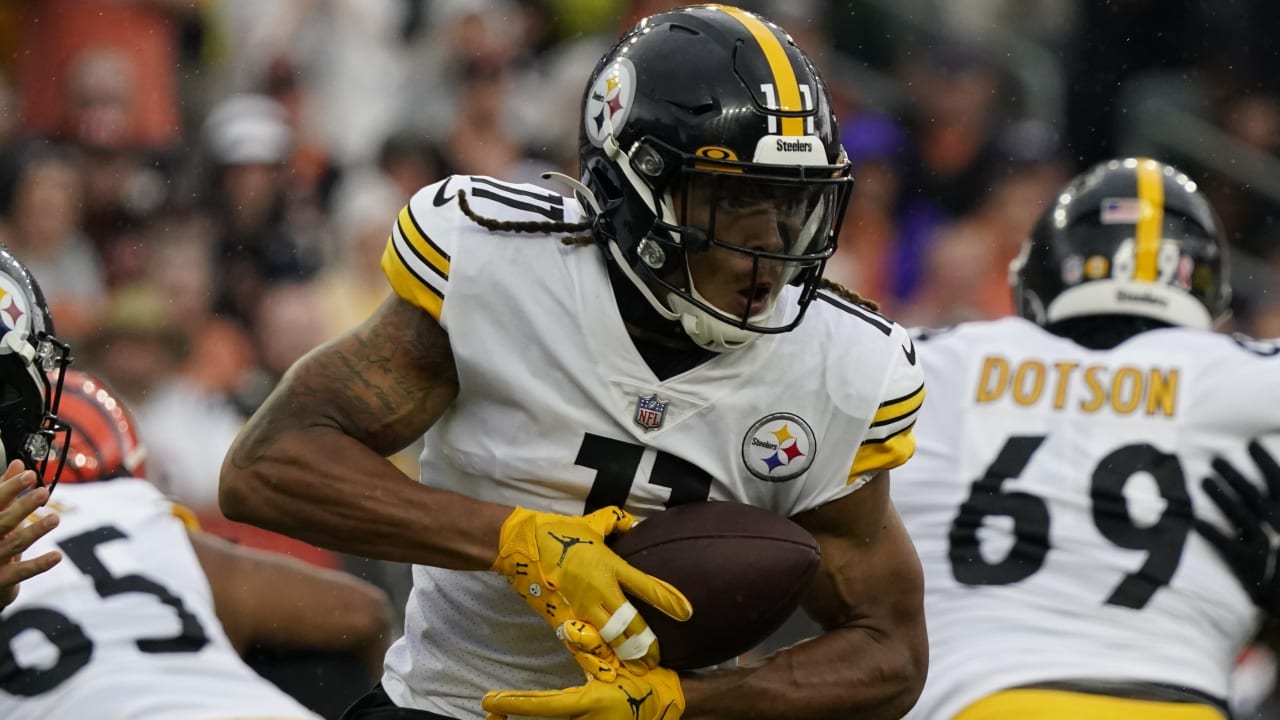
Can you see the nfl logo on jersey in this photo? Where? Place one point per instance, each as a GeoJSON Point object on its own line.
{"type": "Point", "coordinates": [650, 411]}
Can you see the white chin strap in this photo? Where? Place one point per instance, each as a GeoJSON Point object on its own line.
{"type": "Point", "coordinates": [709, 331]}
{"type": "Point", "coordinates": [706, 330]}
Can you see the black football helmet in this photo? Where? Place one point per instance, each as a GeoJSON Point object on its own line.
{"type": "Point", "coordinates": [1128, 237]}
{"type": "Point", "coordinates": [719, 105]}
{"type": "Point", "coordinates": [32, 365]}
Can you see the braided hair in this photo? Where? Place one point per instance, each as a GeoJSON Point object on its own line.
{"type": "Point", "coordinates": [519, 226]}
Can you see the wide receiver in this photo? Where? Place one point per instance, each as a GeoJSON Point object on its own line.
{"type": "Point", "coordinates": [1057, 481]}
{"type": "Point", "coordinates": [676, 347]}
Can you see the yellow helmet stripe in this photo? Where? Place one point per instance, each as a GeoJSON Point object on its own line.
{"type": "Point", "coordinates": [784, 76]}
{"type": "Point", "coordinates": [1151, 221]}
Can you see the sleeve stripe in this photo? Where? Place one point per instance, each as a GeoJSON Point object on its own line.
{"type": "Point", "coordinates": [881, 455]}
{"type": "Point", "coordinates": [422, 245]}
{"type": "Point", "coordinates": [408, 284]}
{"type": "Point", "coordinates": [876, 441]}
{"type": "Point", "coordinates": [422, 265]}
{"type": "Point", "coordinates": [422, 269]}
{"type": "Point", "coordinates": [186, 515]}
{"type": "Point", "coordinates": [896, 419]}
{"type": "Point", "coordinates": [888, 430]}
{"type": "Point", "coordinates": [897, 408]}
{"type": "Point", "coordinates": [408, 212]}
{"type": "Point", "coordinates": [409, 267]}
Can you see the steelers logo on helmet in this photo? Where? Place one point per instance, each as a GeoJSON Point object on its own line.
{"type": "Point", "coordinates": [779, 447]}
{"type": "Point", "coordinates": [14, 311]}
{"type": "Point", "coordinates": [609, 100]}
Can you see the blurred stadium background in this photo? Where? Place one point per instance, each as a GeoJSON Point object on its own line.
{"type": "Point", "coordinates": [204, 187]}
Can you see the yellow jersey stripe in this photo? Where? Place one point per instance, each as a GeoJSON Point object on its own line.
{"type": "Point", "coordinates": [408, 285]}
{"type": "Point", "coordinates": [880, 455]}
{"type": "Point", "coordinates": [186, 515]}
{"type": "Point", "coordinates": [1063, 705]}
{"type": "Point", "coordinates": [899, 408]}
{"type": "Point", "coordinates": [422, 245]}
{"type": "Point", "coordinates": [784, 76]}
{"type": "Point", "coordinates": [1147, 233]}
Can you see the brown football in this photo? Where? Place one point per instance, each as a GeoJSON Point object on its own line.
{"type": "Point", "coordinates": [744, 568]}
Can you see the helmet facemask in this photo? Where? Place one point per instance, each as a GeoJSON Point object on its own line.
{"type": "Point", "coordinates": [700, 209]}
{"type": "Point", "coordinates": [34, 367]}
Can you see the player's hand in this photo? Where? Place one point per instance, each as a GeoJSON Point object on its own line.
{"type": "Point", "coordinates": [1252, 549]}
{"type": "Point", "coordinates": [612, 692]}
{"type": "Point", "coordinates": [562, 568]}
{"type": "Point", "coordinates": [16, 535]}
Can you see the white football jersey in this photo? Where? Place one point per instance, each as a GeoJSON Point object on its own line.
{"type": "Point", "coordinates": [1051, 500]}
{"type": "Point", "coordinates": [558, 412]}
{"type": "Point", "coordinates": [124, 627]}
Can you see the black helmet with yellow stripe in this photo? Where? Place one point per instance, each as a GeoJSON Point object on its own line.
{"type": "Point", "coordinates": [716, 106]}
{"type": "Point", "coordinates": [33, 362]}
{"type": "Point", "coordinates": [1129, 237]}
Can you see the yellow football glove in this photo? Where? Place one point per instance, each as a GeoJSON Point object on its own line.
{"type": "Point", "coordinates": [612, 692]}
{"type": "Point", "coordinates": [562, 568]}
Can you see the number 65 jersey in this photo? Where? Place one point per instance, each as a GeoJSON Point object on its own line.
{"type": "Point", "coordinates": [1051, 500]}
{"type": "Point", "coordinates": [124, 627]}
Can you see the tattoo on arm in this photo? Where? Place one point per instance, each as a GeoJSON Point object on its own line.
{"type": "Point", "coordinates": [384, 384]}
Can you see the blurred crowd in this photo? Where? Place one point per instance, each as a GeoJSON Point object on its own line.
{"type": "Point", "coordinates": [204, 187]}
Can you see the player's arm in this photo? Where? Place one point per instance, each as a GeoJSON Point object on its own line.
{"type": "Point", "coordinates": [311, 461]}
{"type": "Point", "coordinates": [270, 599]}
{"type": "Point", "coordinates": [871, 659]}
{"type": "Point", "coordinates": [16, 535]}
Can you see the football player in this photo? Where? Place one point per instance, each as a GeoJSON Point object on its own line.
{"type": "Point", "coordinates": [1057, 479]}
{"type": "Point", "coordinates": [126, 627]}
{"type": "Point", "coordinates": [576, 363]}
{"type": "Point", "coordinates": [32, 361]}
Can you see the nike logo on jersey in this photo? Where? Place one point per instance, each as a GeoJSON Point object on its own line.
{"type": "Point", "coordinates": [440, 199]}
{"type": "Point", "coordinates": [911, 354]}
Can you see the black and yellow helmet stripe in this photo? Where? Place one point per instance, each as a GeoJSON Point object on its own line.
{"type": "Point", "coordinates": [1150, 222]}
{"type": "Point", "coordinates": [784, 76]}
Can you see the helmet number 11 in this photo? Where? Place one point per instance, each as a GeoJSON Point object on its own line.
{"type": "Point", "coordinates": [771, 101]}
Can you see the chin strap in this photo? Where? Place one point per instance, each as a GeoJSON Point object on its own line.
{"type": "Point", "coordinates": [583, 192]}
{"type": "Point", "coordinates": [708, 331]}
{"type": "Point", "coordinates": [16, 342]}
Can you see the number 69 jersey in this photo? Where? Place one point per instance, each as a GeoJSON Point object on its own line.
{"type": "Point", "coordinates": [1051, 500]}
{"type": "Point", "coordinates": [124, 627]}
{"type": "Point", "coordinates": [558, 412]}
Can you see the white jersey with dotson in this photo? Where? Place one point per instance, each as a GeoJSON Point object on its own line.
{"type": "Point", "coordinates": [1051, 500]}
{"type": "Point", "coordinates": [558, 412]}
{"type": "Point", "coordinates": [124, 627]}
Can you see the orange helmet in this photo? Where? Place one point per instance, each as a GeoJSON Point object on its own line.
{"type": "Point", "coordinates": [104, 435]}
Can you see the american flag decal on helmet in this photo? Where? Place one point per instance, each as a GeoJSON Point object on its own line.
{"type": "Point", "coordinates": [650, 412]}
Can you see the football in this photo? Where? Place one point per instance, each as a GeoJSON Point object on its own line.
{"type": "Point", "coordinates": [744, 569]}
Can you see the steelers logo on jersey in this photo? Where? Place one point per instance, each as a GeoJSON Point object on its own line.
{"type": "Point", "coordinates": [14, 312]}
{"type": "Point", "coordinates": [609, 101]}
{"type": "Point", "coordinates": [779, 447]}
